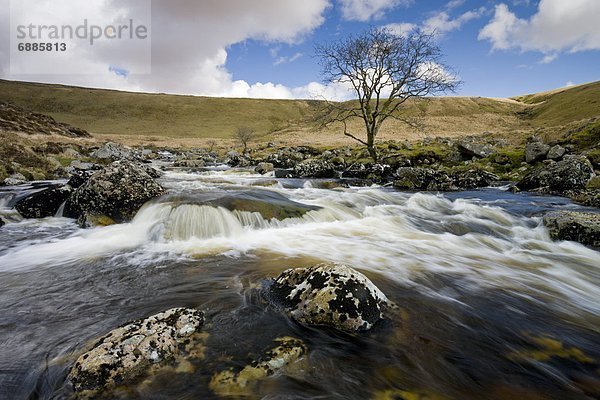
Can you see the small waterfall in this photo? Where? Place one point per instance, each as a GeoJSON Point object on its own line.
{"type": "Point", "coordinates": [61, 210]}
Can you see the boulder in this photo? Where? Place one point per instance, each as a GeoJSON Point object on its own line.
{"type": "Point", "coordinates": [471, 148]}
{"type": "Point", "coordinates": [45, 203]}
{"type": "Point", "coordinates": [536, 151]}
{"type": "Point", "coordinates": [284, 173]}
{"type": "Point", "coordinates": [474, 178]}
{"type": "Point", "coordinates": [371, 171]}
{"type": "Point", "coordinates": [556, 152]}
{"type": "Point", "coordinates": [118, 192]}
{"type": "Point", "coordinates": [264, 167]}
{"type": "Point", "coordinates": [315, 168]}
{"type": "Point", "coordinates": [229, 383]}
{"type": "Point", "coordinates": [190, 163]}
{"type": "Point", "coordinates": [15, 179]}
{"type": "Point", "coordinates": [2, 223]}
{"type": "Point", "coordinates": [587, 197]}
{"type": "Point", "coordinates": [582, 227]}
{"type": "Point", "coordinates": [333, 295]}
{"type": "Point", "coordinates": [113, 151]}
{"type": "Point", "coordinates": [416, 178]}
{"type": "Point", "coordinates": [571, 173]}
{"type": "Point", "coordinates": [127, 352]}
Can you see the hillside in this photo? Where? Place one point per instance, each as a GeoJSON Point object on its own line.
{"type": "Point", "coordinates": [159, 118]}
{"type": "Point", "coordinates": [565, 105]}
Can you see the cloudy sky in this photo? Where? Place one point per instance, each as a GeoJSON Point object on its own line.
{"type": "Point", "coordinates": [264, 48]}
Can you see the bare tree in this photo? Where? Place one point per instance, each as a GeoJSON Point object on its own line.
{"type": "Point", "coordinates": [384, 70]}
{"type": "Point", "coordinates": [211, 145]}
{"type": "Point", "coordinates": [244, 135]}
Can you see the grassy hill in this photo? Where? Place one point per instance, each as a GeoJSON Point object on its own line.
{"type": "Point", "coordinates": [160, 117]}
{"type": "Point", "coordinates": [565, 105]}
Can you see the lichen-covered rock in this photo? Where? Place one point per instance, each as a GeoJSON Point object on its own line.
{"type": "Point", "coordinates": [569, 174]}
{"type": "Point", "coordinates": [470, 147]}
{"type": "Point", "coordinates": [127, 352]}
{"type": "Point", "coordinates": [474, 178]}
{"type": "Point", "coordinates": [45, 203]}
{"type": "Point", "coordinates": [118, 191]}
{"type": "Point", "coordinates": [228, 382]}
{"type": "Point", "coordinates": [329, 294]}
{"type": "Point", "coordinates": [315, 168]}
{"type": "Point", "coordinates": [582, 227]}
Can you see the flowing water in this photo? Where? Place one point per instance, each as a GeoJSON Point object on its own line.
{"type": "Point", "coordinates": [489, 306]}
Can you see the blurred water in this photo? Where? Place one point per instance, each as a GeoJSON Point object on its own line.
{"type": "Point", "coordinates": [478, 280]}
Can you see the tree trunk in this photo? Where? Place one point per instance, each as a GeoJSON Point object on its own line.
{"type": "Point", "coordinates": [371, 146]}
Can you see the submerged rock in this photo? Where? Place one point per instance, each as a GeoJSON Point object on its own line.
{"type": "Point", "coordinates": [582, 227]}
{"type": "Point", "coordinates": [569, 174]}
{"type": "Point", "coordinates": [190, 163]}
{"type": "Point", "coordinates": [126, 352]}
{"type": "Point", "coordinates": [228, 383]}
{"type": "Point", "coordinates": [118, 192]}
{"type": "Point", "coordinates": [45, 203]}
{"type": "Point", "coordinates": [329, 294]}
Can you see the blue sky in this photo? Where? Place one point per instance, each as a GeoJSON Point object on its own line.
{"type": "Point", "coordinates": [264, 48]}
{"type": "Point", "coordinates": [483, 70]}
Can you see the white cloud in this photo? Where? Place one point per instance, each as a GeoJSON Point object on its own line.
{"type": "Point", "coordinates": [454, 4]}
{"type": "Point", "coordinates": [557, 26]}
{"type": "Point", "coordinates": [569, 84]}
{"type": "Point", "coordinates": [287, 59]}
{"type": "Point", "coordinates": [189, 44]}
{"type": "Point", "coordinates": [400, 29]}
{"type": "Point", "coordinates": [441, 22]}
{"type": "Point", "coordinates": [548, 58]}
{"type": "Point", "coordinates": [365, 10]}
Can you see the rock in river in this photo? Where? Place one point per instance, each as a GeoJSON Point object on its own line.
{"type": "Point", "coordinates": [329, 294]}
{"type": "Point", "coordinates": [126, 352]}
{"type": "Point", "coordinates": [582, 227]}
{"type": "Point", "coordinates": [118, 192]}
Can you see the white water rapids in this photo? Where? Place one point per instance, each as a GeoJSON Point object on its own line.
{"type": "Point", "coordinates": [402, 236]}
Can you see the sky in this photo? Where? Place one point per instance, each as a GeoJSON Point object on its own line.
{"type": "Point", "coordinates": [265, 48]}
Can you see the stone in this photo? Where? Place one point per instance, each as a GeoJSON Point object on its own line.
{"type": "Point", "coordinates": [417, 178]}
{"type": "Point", "coordinates": [118, 191]}
{"type": "Point", "coordinates": [190, 163]}
{"type": "Point", "coordinates": [333, 295]}
{"type": "Point", "coordinates": [284, 173]}
{"type": "Point", "coordinates": [127, 352]}
{"type": "Point", "coordinates": [2, 223]}
{"type": "Point", "coordinates": [474, 178]}
{"type": "Point", "coordinates": [556, 152]}
{"type": "Point", "coordinates": [571, 173]}
{"type": "Point", "coordinates": [45, 203]}
{"type": "Point", "coordinates": [582, 227]}
{"type": "Point", "coordinates": [536, 151]}
{"type": "Point", "coordinates": [113, 151]}
{"type": "Point", "coordinates": [264, 167]}
{"type": "Point", "coordinates": [15, 179]}
{"type": "Point", "coordinates": [315, 168]}
{"type": "Point", "coordinates": [471, 148]}
{"type": "Point", "coordinates": [229, 383]}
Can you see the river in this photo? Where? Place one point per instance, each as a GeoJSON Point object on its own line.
{"type": "Point", "coordinates": [490, 307]}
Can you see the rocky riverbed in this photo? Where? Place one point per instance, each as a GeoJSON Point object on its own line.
{"type": "Point", "coordinates": [133, 277]}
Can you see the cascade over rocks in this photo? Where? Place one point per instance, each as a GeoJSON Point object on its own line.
{"type": "Point", "coordinates": [334, 295]}
{"type": "Point", "coordinates": [45, 203]}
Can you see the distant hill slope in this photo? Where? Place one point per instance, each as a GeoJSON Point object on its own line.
{"type": "Point", "coordinates": [565, 105]}
{"type": "Point", "coordinates": [109, 112]}
{"type": "Point", "coordinates": [16, 119]}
